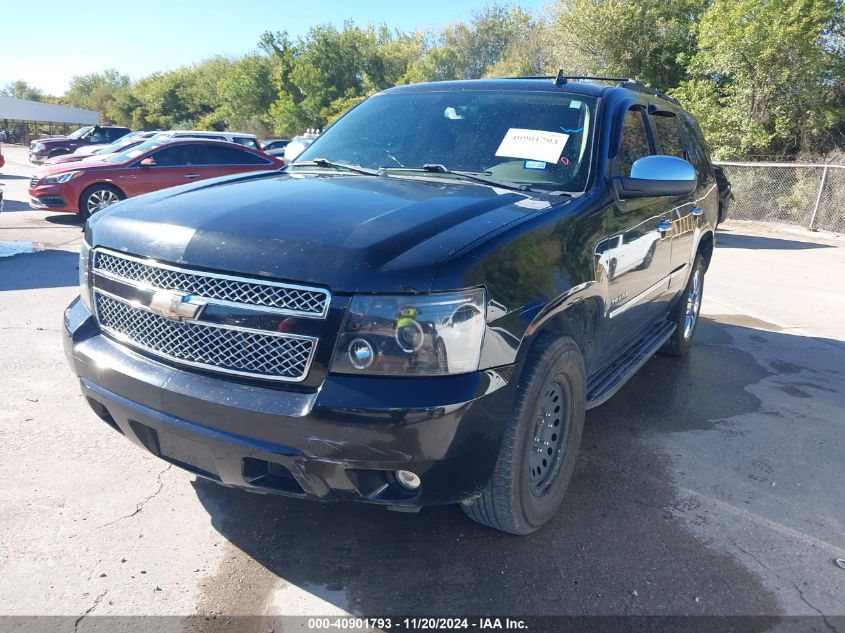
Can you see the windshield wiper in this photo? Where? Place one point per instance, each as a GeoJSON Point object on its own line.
{"type": "Point", "coordinates": [436, 168]}
{"type": "Point", "coordinates": [325, 162]}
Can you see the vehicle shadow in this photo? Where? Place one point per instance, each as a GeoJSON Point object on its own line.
{"type": "Point", "coordinates": [12, 177]}
{"type": "Point", "coordinates": [36, 269]}
{"type": "Point", "coordinates": [15, 205]}
{"type": "Point", "coordinates": [66, 219]}
{"type": "Point", "coordinates": [759, 242]}
{"type": "Point", "coordinates": [616, 547]}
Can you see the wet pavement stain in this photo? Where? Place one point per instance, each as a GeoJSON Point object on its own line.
{"type": "Point", "coordinates": [615, 547]}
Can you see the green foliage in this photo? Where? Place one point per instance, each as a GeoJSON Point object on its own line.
{"type": "Point", "coordinates": [651, 40]}
{"type": "Point", "coordinates": [761, 76]}
{"type": "Point", "coordinates": [22, 90]}
{"type": "Point", "coordinates": [491, 44]}
{"type": "Point", "coordinates": [769, 76]}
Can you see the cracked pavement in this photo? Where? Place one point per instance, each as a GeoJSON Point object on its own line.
{"type": "Point", "coordinates": [709, 485]}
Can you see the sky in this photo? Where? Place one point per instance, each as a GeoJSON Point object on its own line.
{"type": "Point", "coordinates": [68, 38]}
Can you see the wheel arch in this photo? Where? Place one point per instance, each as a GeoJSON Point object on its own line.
{"type": "Point", "coordinates": [705, 247]}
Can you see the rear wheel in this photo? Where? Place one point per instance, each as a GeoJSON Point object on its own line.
{"type": "Point", "coordinates": [686, 312]}
{"type": "Point", "coordinates": [541, 443]}
{"type": "Point", "coordinates": [98, 197]}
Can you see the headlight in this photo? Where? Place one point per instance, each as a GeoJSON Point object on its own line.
{"type": "Point", "coordinates": [38, 147]}
{"type": "Point", "coordinates": [426, 335]}
{"type": "Point", "coordinates": [58, 178]}
{"type": "Point", "coordinates": [84, 279]}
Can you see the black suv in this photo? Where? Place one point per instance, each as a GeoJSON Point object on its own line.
{"type": "Point", "coordinates": [419, 309]}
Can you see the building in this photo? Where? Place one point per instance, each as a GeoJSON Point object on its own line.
{"type": "Point", "coordinates": [21, 120]}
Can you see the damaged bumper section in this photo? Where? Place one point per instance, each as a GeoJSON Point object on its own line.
{"type": "Point", "coordinates": [335, 442]}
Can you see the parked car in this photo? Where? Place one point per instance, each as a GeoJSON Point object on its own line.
{"type": "Point", "coordinates": [2, 160]}
{"type": "Point", "coordinates": [416, 311]}
{"type": "Point", "coordinates": [42, 149]}
{"type": "Point", "coordinates": [274, 143]}
{"type": "Point", "coordinates": [241, 138]}
{"type": "Point", "coordinates": [298, 145]}
{"type": "Point", "coordinates": [88, 150]}
{"type": "Point", "coordinates": [726, 195]}
{"type": "Point", "coordinates": [102, 151]}
{"type": "Point", "coordinates": [88, 186]}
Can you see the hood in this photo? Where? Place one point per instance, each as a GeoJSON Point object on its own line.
{"type": "Point", "coordinates": [57, 167]}
{"type": "Point", "coordinates": [349, 233]}
{"type": "Point", "coordinates": [52, 142]}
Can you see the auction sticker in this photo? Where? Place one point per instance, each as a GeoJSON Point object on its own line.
{"type": "Point", "coordinates": [532, 145]}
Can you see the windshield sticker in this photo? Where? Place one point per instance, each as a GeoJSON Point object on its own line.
{"type": "Point", "coordinates": [575, 104]}
{"type": "Point", "coordinates": [532, 145]}
{"type": "Point", "coordinates": [534, 164]}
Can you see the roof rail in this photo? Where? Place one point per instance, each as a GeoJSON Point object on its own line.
{"type": "Point", "coordinates": [561, 78]}
{"type": "Point", "coordinates": [636, 85]}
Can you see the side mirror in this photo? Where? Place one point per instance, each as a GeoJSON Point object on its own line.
{"type": "Point", "coordinates": [148, 162]}
{"type": "Point", "coordinates": [654, 176]}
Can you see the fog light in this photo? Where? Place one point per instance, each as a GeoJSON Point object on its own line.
{"type": "Point", "coordinates": [361, 353]}
{"type": "Point", "coordinates": [407, 479]}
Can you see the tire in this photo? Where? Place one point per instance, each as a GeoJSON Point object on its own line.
{"type": "Point", "coordinates": [685, 315]}
{"type": "Point", "coordinates": [528, 486]}
{"type": "Point", "coordinates": [98, 197]}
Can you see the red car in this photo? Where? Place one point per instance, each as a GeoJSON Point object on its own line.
{"type": "Point", "coordinates": [88, 186]}
{"type": "Point", "coordinates": [2, 160]}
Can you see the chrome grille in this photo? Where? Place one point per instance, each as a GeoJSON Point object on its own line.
{"type": "Point", "coordinates": [33, 182]}
{"type": "Point", "coordinates": [236, 351]}
{"type": "Point", "coordinates": [278, 297]}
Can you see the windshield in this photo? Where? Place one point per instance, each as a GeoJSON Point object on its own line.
{"type": "Point", "coordinates": [120, 144]}
{"type": "Point", "coordinates": [135, 151]}
{"type": "Point", "coordinates": [542, 140]}
{"type": "Point", "coordinates": [80, 132]}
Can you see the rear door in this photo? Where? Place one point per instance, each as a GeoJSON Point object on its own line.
{"type": "Point", "coordinates": [225, 159]}
{"type": "Point", "coordinates": [636, 253]}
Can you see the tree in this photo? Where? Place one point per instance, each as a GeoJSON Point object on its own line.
{"type": "Point", "coordinates": [769, 76]}
{"type": "Point", "coordinates": [246, 92]}
{"type": "Point", "coordinates": [650, 40]}
{"type": "Point", "coordinates": [22, 90]}
{"type": "Point", "coordinates": [472, 51]}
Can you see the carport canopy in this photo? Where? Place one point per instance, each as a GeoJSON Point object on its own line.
{"type": "Point", "coordinates": [24, 111]}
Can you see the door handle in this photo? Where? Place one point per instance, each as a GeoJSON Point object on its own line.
{"type": "Point", "coordinates": [664, 227]}
{"type": "Point", "coordinates": [696, 212]}
{"type": "Point", "coordinates": [192, 176]}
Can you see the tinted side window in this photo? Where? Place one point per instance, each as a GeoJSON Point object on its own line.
{"type": "Point", "coordinates": [696, 153]}
{"type": "Point", "coordinates": [667, 133]}
{"type": "Point", "coordinates": [231, 156]}
{"type": "Point", "coordinates": [170, 156]}
{"type": "Point", "coordinates": [635, 143]}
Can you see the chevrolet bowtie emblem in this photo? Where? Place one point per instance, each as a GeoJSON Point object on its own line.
{"type": "Point", "coordinates": [175, 305]}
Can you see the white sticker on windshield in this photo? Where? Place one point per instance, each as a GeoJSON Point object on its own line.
{"type": "Point", "coordinates": [532, 145]}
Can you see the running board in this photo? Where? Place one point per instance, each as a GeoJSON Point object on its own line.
{"type": "Point", "coordinates": [603, 385]}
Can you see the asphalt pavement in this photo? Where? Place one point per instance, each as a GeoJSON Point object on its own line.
{"type": "Point", "coordinates": [712, 485]}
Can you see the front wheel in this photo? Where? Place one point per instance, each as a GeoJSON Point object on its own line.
{"type": "Point", "coordinates": [686, 312]}
{"type": "Point", "coordinates": [541, 443]}
{"type": "Point", "coordinates": [98, 197]}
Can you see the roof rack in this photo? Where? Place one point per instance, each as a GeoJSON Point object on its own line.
{"type": "Point", "coordinates": [621, 82]}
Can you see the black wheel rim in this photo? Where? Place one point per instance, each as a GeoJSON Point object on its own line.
{"type": "Point", "coordinates": [548, 442]}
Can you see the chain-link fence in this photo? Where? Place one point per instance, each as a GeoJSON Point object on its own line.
{"type": "Point", "coordinates": [812, 196]}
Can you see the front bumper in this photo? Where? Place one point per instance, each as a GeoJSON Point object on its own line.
{"type": "Point", "coordinates": [51, 197]}
{"type": "Point", "coordinates": [343, 441]}
{"type": "Point", "coordinates": [37, 159]}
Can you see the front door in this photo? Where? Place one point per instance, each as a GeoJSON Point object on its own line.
{"type": "Point", "coordinates": [636, 254]}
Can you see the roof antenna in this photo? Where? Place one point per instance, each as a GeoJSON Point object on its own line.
{"type": "Point", "coordinates": [560, 79]}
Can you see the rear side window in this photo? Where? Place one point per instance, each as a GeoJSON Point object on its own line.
{"type": "Point", "coordinates": [635, 143]}
{"type": "Point", "coordinates": [223, 155]}
{"type": "Point", "coordinates": [667, 134]}
{"type": "Point", "coordinates": [696, 153]}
